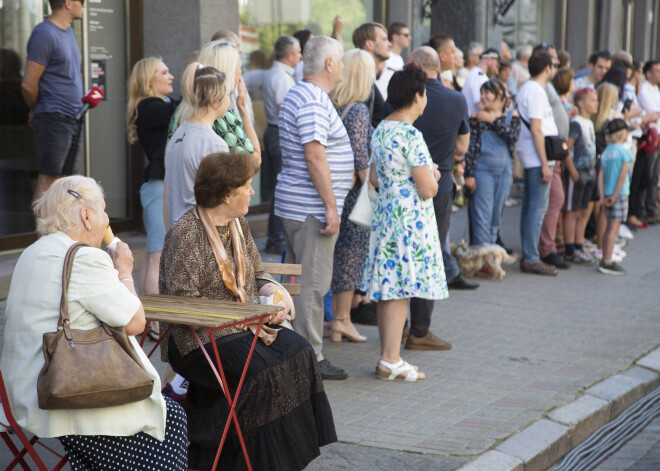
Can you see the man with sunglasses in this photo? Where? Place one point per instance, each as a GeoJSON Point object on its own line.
{"type": "Point", "coordinates": [399, 36]}
{"type": "Point", "coordinates": [52, 88]}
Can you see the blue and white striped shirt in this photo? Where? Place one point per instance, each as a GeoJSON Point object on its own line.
{"type": "Point", "coordinates": [307, 115]}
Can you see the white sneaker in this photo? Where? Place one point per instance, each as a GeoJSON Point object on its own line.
{"type": "Point", "coordinates": [589, 246]}
{"type": "Point", "coordinates": [619, 252]}
{"type": "Point", "coordinates": [625, 233]}
{"type": "Point", "coordinates": [598, 254]}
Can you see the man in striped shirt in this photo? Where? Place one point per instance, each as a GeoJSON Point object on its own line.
{"type": "Point", "coordinates": [317, 172]}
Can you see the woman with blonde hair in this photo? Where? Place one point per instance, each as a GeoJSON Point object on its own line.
{"type": "Point", "coordinates": [150, 433]}
{"type": "Point", "coordinates": [148, 115]}
{"type": "Point", "coordinates": [351, 247]}
{"type": "Point", "coordinates": [235, 127]}
{"type": "Point", "coordinates": [608, 96]}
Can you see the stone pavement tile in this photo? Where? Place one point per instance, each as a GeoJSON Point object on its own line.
{"type": "Point", "coordinates": [539, 445]}
{"type": "Point", "coordinates": [495, 461]}
{"type": "Point", "coordinates": [651, 360]}
{"type": "Point", "coordinates": [625, 388]}
{"type": "Point", "coordinates": [343, 457]}
{"type": "Point", "coordinates": [583, 416]}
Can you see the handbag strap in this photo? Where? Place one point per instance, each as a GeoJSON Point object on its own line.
{"type": "Point", "coordinates": [64, 320]}
{"type": "Point", "coordinates": [523, 119]}
{"type": "Point", "coordinates": [346, 110]}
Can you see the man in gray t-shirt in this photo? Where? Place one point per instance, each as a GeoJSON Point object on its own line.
{"type": "Point", "coordinates": [189, 144]}
{"type": "Point", "coordinates": [52, 89]}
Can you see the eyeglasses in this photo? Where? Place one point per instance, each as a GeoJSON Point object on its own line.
{"type": "Point", "coordinates": [82, 2]}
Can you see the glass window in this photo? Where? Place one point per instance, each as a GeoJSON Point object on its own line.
{"type": "Point", "coordinates": [263, 21]}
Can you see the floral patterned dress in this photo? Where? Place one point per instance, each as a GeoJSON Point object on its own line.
{"type": "Point", "coordinates": [405, 259]}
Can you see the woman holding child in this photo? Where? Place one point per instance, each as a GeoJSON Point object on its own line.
{"type": "Point", "coordinates": [404, 258]}
{"type": "Point", "coordinates": [488, 162]}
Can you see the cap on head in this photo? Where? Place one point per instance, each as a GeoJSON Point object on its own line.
{"type": "Point", "coordinates": [490, 53]}
{"type": "Point", "coordinates": [616, 125]}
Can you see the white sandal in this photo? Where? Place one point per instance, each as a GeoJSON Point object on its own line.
{"type": "Point", "coordinates": [399, 371]}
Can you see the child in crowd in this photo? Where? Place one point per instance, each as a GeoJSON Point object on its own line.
{"type": "Point", "coordinates": [580, 176]}
{"type": "Point", "coordinates": [614, 188]}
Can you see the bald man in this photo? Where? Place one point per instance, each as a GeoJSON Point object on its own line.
{"type": "Point", "coordinates": [444, 126]}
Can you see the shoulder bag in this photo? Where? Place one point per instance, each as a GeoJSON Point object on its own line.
{"type": "Point", "coordinates": [556, 147]}
{"type": "Point", "coordinates": [86, 369]}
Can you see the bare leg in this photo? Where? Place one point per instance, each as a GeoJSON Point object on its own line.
{"type": "Point", "coordinates": [391, 318]}
{"type": "Point", "coordinates": [601, 224]}
{"type": "Point", "coordinates": [341, 324]}
{"type": "Point", "coordinates": [570, 218]}
{"type": "Point", "coordinates": [610, 239]}
{"type": "Point", "coordinates": [581, 225]}
{"type": "Point", "coordinates": [149, 284]}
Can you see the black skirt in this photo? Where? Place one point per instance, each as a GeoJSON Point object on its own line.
{"type": "Point", "coordinates": [283, 410]}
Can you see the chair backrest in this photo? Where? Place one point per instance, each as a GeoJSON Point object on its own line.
{"type": "Point", "coordinates": [28, 448]}
{"type": "Point", "coordinates": [287, 269]}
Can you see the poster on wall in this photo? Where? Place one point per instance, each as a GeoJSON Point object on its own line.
{"type": "Point", "coordinates": [98, 76]}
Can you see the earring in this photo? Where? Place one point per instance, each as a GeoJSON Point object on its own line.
{"type": "Point", "coordinates": [89, 228]}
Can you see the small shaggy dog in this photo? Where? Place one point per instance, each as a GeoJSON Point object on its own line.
{"type": "Point", "coordinates": [472, 258]}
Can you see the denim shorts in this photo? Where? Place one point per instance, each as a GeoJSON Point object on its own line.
{"type": "Point", "coordinates": [151, 197]}
{"type": "Point", "coordinates": [59, 141]}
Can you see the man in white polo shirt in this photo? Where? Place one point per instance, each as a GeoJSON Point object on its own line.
{"type": "Point", "coordinates": [536, 113]}
{"type": "Point", "coordinates": [317, 172]}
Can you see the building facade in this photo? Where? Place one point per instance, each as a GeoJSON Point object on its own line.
{"type": "Point", "coordinates": [114, 34]}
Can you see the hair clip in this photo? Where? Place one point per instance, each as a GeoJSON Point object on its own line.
{"type": "Point", "coordinates": [74, 193]}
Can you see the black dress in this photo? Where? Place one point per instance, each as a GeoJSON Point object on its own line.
{"type": "Point", "coordinates": [283, 410]}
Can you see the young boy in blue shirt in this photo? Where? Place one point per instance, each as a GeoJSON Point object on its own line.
{"type": "Point", "coordinates": [614, 188]}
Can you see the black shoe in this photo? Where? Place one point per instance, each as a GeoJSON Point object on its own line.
{"type": "Point", "coordinates": [555, 260]}
{"type": "Point", "coordinates": [458, 282]}
{"type": "Point", "coordinates": [330, 372]}
{"type": "Point", "coordinates": [501, 244]}
{"type": "Point", "coordinates": [364, 313]}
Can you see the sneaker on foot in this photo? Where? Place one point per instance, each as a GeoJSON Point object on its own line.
{"type": "Point", "coordinates": [330, 372]}
{"type": "Point", "coordinates": [598, 254]}
{"type": "Point", "coordinates": [625, 232]}
{"type": "Point", "coordinates": [589, 246]}
{"type": "Point", "coordinates": [580, 257]}
{"type": "Point", "coordinates": [611, 268]}
{"type": "Point", "coordinates": [555, 260]}
{"type": "Point", "coordinates": [618, 252]}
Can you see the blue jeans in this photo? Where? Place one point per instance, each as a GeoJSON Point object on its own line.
{"type": "Point", "coordinates": [493, 174]}
{"type": "Point", "coordinates": [535, 203]}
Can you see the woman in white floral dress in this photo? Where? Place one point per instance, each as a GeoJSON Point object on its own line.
{"type": "Point", "coordinates": [405, 259]}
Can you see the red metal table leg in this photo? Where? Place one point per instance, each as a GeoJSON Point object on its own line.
{"type": "Point", "coordinates": [145, 333]}
{"type": "Point", "coordinates": [162, 337]}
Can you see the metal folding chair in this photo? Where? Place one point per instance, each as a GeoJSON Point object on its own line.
{"type": "Point", "coordinates": [28, 444]}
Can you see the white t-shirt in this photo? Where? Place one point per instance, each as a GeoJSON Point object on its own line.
{"type": "Point", "coordinates": [472, 88]}
{"type": "Point", "coordinates": [394, 63]}
{"type": "Point", "coordinates": [532, 103]}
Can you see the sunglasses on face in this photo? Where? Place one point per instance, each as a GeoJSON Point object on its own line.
{"type": "Point", "coordinates": [82, 2]}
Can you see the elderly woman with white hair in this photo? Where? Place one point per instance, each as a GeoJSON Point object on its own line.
{"type": "Point", "coordinates": [138, 435]}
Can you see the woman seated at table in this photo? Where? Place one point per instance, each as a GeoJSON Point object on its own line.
{"type": "Point", "coordinates": [148, 434]}
{"type": "Point", "coordinates": [282, 409]}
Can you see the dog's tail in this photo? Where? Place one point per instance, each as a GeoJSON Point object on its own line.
{"type": "Point", "coordinates": [510, 258]}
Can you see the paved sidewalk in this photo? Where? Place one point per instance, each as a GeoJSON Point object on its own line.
{"type": "Point", "coordinates": [521, 347]}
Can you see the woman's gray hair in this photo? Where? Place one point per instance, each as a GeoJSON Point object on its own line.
{"type": "Point", "coordinates": [283, 46]}
{"type": "Point", "coordinates": [59, 207]}
{"type": "Point", "coordinates": [317, 51]}
{"type": "Point", "coordinates": [524, 51]}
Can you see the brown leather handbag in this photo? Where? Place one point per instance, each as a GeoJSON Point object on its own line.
{"type": "Point", "coordinates": [86, 369]}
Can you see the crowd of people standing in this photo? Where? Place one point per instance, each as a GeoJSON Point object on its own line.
{"type": "Point", "coordinates": [583, 143]}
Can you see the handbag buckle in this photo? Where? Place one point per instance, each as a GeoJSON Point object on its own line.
{"type": "Point", "coordinates": [73, 345]}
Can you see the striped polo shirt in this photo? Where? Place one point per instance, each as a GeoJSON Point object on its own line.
{"type": "Point", "coordinates": [307, 115]}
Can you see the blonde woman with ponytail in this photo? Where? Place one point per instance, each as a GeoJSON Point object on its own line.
{"type": "Point", "coordinates": [148, 114]}
{"type": "Point", "coordinates": [235, 127]}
